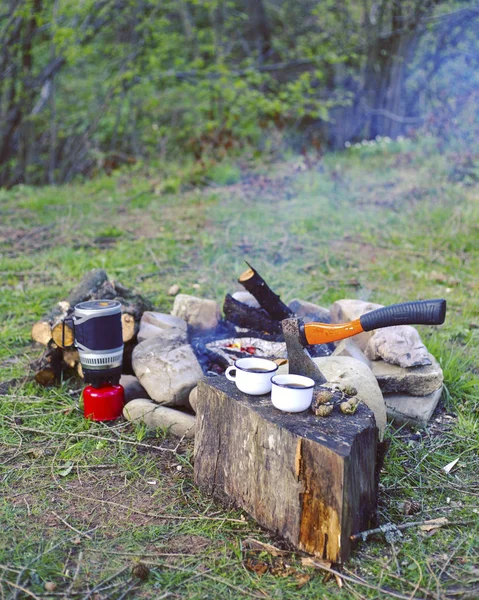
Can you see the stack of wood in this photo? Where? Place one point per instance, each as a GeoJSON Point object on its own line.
{"type": "Point", "coordinates": [60, 354]}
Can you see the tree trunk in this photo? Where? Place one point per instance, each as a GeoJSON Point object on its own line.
{"type": "Point", "coordinates": [259, 30]}
{"type": "Point", "coordinates": [309, 479]}
{"type": "Point", "coordinates": [386, 69]}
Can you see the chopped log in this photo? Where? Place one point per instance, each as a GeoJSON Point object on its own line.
{"type": "Point", "coordinates": [42, 332]}
{"type": "Point", "coordinates": [49, 366]}
{"type": "Point", "coordinates": [62, 334]}
{"type": "Point", "coordinates": [71, 358]}
{"type": "Point", "coordinates": [129, 327]}
{"type": "Point", "coordinates": [88, 287]}
{"type": "Point", "coordinates": [252, 281]}
{"type": "Point", "coordinates": [246, 316]}
{"type": "Point", "coordinates": [128, 348]}
{"type": "Point", "coordinates": [310, 480]}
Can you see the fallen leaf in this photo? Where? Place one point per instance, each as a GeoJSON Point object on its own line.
{"type": "Point", "coordinates": [67, 469]}
{"type": "Point", "coordinates": [302, 579]}
{"type": "Point", "coordinates": [339, 581]}
{"type": "Point", "coordinates": [448, 468]}
{"type": "Point", "coordinates": [256, 566]}
{"type": "Point", "coordinates": [433, 524]}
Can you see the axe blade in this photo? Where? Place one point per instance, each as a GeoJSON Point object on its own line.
{"type": "Point", "coordinates": [300, 362]}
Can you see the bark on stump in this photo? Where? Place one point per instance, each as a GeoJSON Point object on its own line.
{"type": "Point", "coordinates": [309, 479]}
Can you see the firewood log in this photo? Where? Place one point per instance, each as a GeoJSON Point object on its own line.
{"type": "Point", "coordinates": [129, 327]}
{"type": "Point", "coordinates": [62, 334]}
{"type": "Point", "coordinates": [246, 316]}
{"type": "Point", "coordinates": [42, 332]}
{"type": "Point", "coordinates": [49, 366]}
{"type": "Point", "coordinates": [252, 281]}
{"type": "Point", "coordinates": [71, 358]}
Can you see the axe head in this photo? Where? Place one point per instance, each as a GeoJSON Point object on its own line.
{"type": "Point", "coordinates": [300, 362]}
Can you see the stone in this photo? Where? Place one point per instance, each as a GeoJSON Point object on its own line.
{"type": "Point", "coordinates": [133, 388]}
{"type": "Point", "coordinates": [349, 348]}
{"type": "Point", "coordinates": [343, 311]}
{"type": "Point", "coordinates": [153, 416]}
{"type": "Point", "coordinates": [346, 371]}
{"type": "Point", "coordinates": [193, 397]}
{"type": "Point", "coordinates": [309, 312]}
{"type": "Point", "coordinates": [168, 327]}
{"type": "Point", "coordinates": [246, 298]}
{"type": "Point", "coordinates": [168, 373]}
{"type": "Point", "coordinates": [399, 345]}
{"type": "Point", "coordinates": [163, 320]}
{"type": "Point", "coordinates": [412, 410]}
{"type": "Point", "coordinates": [173, 290]}
{"type": "Point", "coordinates": [415, 381]}
{"type": "Point", "coordinates": [199, 313]}
{"type": "Point", "coordinates": [172, 337]}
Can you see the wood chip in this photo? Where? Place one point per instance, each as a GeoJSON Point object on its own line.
{"type": "Point", "coordinates": [316, 563]}
{"type": "Point", "coordinates": [264, 547]}
{"type": "Point", "coordinates": [434, 524]}
{"type": "Point", "coordinates": [448, 468]}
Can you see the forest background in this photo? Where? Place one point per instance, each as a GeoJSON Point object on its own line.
{"type": "Point", "coordinates": [92, 85]}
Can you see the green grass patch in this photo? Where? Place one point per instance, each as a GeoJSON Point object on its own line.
{"type": "Point", "coordinates": [82, 503]}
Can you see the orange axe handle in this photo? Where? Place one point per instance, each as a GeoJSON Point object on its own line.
{"type": "Point", "coordinates": [420, 312]}
{"type": "Point", "coordinates": [321, 333]}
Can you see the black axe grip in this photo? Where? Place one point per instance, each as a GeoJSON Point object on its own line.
{"type": "Point", "coordinates": [420, 312]}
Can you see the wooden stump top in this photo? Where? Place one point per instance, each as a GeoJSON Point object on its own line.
{"type": "Point", "coordinates": [337, 432]}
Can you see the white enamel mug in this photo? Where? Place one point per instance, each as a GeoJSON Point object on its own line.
{"type": "Point", "coordinates": [252, 375]}
{"type": "Point", "coordinates": [291, 393]}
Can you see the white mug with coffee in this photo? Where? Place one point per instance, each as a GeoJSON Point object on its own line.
{"type": "Point", "coordinates": [252, 375]}
{"type": "Point", "coordinates": [291, 393]}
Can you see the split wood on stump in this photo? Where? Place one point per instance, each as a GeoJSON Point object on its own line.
{"type": "Point", "coordinates": [309, 479]}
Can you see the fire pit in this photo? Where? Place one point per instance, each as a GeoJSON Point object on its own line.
{"type": "Point", "coordinates": [324, 462]}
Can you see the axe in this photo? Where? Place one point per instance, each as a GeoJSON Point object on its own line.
{"type": "Point", "coordinates": [298, 334]}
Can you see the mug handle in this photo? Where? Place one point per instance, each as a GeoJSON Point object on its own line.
{"type": "Point", "coordinates": [228, 371]}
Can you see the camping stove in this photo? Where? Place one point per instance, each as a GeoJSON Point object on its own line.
{"type": "Point", "coordinates": [98, 338]}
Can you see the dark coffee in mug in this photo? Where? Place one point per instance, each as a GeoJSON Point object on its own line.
{"type": "Point", "coordinates": [296, 386]}
{"type": "Point", "coordinates": [257, 370]}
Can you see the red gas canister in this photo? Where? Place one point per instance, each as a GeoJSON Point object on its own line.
{"type": "Point", "coordinates": [103, 403]}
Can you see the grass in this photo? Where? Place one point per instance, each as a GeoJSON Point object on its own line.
{"type": "Point", "coordinates": [82, 503]}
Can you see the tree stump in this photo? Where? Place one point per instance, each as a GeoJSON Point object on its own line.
{"type": "Point", "coordinates": [309, 479]}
